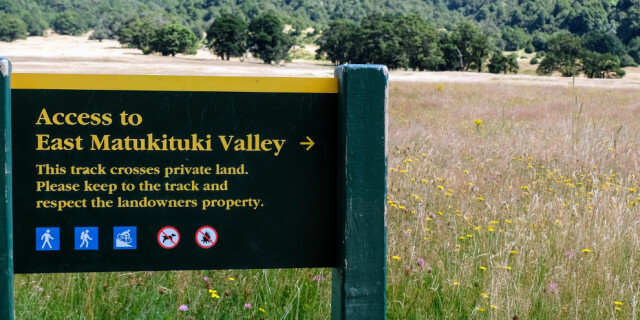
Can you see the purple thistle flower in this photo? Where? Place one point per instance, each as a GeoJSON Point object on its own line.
{"type": "Point", "coordinates": [420, 262]}
{"type": "Point", "coordinates": [318, 278]}
{"type": "Point", "coordinates": [206, 278]}
{"type": "Point", "coordinates": [183, 307]}
{"type": "Point", "coordinates": [247, 305]}
{"type": "Point", "coordinates": [568, 254]}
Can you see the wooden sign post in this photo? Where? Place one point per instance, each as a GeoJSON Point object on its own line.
{"type": "Point", "coordinates": [131, 173]}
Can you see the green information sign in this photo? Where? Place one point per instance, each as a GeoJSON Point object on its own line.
{"type": "Point", "coordinates": [104, 171]}
{"type": "Point", "coordinates": [114, 173]}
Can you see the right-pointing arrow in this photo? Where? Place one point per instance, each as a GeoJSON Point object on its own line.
{"type": "Point", "coordinates": [308, 143]}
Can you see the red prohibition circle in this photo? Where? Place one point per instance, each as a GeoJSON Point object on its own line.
{"type": "Point", "coordinates": [172, 244]}
{"type": "Point", "coordinates": [212, 242]}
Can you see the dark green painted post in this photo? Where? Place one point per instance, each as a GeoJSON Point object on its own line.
{"type": "Point", "coordinates": [6, 227]}
{"type": "Point", "coordinates": [359, 281]}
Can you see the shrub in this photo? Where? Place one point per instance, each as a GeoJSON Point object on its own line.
{"type": "Point", "coordinates": [534, 61]}
{"type": "Point", "coordinates": [529, 48]}
{"type": "Point", "coordinates": [68, 23]}
{"type": "Point", "coordinates": [11, 28]}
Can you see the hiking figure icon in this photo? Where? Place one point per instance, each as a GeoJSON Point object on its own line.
{"type": "Point", "coordinates": [47, 239]}
{"type": "Point", "coordinates": [86, 238]}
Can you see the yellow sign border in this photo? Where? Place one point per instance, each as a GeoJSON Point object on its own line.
{"type": "Point", "coordinates": [172, 83]}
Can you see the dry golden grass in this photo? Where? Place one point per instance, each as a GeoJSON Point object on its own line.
{"type": "Point", "coordinates": [529, 211]}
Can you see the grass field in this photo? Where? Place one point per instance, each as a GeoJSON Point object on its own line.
{"type": "Point", "coordinates": [506, 201]}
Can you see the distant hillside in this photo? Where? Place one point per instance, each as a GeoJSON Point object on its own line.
{"type": "Point", "coordinates": [515, 24]}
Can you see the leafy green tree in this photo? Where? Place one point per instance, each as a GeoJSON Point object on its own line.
{"type": "Point", "coordinates": [627, 61]}
{"type": "Point", "coordinates": [174, 38]}
{"type": "Point", "coordinates": [634, 48]}
{"type": "Point", "coordinates": [590, 15]}
{"type": "Point", "coordinates": [227, 36]}
{"type": "Point", "coordinates": [337, 42]}
{"type": "Point", "coordinates": [629, 25]}
{"type": "Point", "coordinates": [539, 41]}
{"type": "Point", "coordinates": [603, 42]}
{"type": "Point", "coordinates": [68, 23]}
{"type": "Point", "coordinates": [379, 42]}
{"type": "Point", "coordinates": [12, 28]}
{"type": "Point", "coordinates": [35, 22]}
{"type": "Point", "coordinates": [601, 65]}
{"type": "Point", "coordinates": [471, 46]}
{"type": "Point", "coordinates": [514, 38]}
{"type": "Point", "coordinates": [512, 63]}
{"type": "Point", "coordinates": [267, 39]}
{"type": "Point", "coordinates": [138, 33]}
{"type": "Point", "coordinates": [497, 62]}
{"type": "Point", "coordinates": [419, 42]}
{"type": "Point", "coordinates": [564, 51]}
{"type": "Point", "coordinates": [107, 26]}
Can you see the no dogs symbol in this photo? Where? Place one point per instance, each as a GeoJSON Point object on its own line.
{"type": "Point", "coordinates": [206, 237]}
{"type": "Point", "coordinates": [168, 237]}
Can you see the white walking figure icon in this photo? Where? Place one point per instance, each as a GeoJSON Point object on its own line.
{"type": "Point", "coordinates": [84, 236]}
{"type": "Point", "coordinates": [46, 237]}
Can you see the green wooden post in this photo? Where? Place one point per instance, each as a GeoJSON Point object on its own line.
{"type": "Point", "coordinates": [6, 226]}
{"type": "Point", "coordinates": [359, 281]}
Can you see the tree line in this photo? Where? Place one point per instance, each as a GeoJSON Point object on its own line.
{"type": "Point", "coordinates": [409, 42]}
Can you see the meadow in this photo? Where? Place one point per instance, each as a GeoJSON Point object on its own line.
{"type": "Point", "coordinates": [506, 200]}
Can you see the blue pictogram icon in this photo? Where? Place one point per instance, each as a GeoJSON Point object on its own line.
{"type": "Point", "coordinates": [47, 239]}
{"type": "Point", "coordinates": [86, 238]}
{"type": "Point", "coordinates": [125, 238]}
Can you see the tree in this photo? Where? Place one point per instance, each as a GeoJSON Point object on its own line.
{"type": "Point", "coordinates": [419, 42]}
{"type": "Point", "coordinates": [68, 23]}
{"type": "Point", "coordinates": [12, 28]}
{"type": "Point", "coordinates": [514, 38]}
{"type": "Point", "coordinates": [337, 42]}
{"type": "Point", "coordinates": [379, 42]}
{"type": "Point", "coordinates": [267, 39]}
{"type": "Point", "coordinates": [174, 38]}
{"type": "Point", "coordinates": [601, 65]}
{"type": "Point", "coordinates": [138, 33]}
{"type": "Point", "coordinates": [512, 63]}
{"type": "Point", "coordinates": [603, 42]}
{"type": "Point", "coordinates": [227, 36]}
{"type": "Point", "coordinates": [634, 48]}
{"type": "Point", "coordinates": [630, 25]}
{"type": "Point", "coordinates": [107, 26]}
{"type": "Point", "coordinates": [564, 51]}
{"type": "Point", "coordinates": [35, 22]}
{"type": "Point", "coordinates": [498, 62]}
{"type": "Point", "coordinates": [471, 46]}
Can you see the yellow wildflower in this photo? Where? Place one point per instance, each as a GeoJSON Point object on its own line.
{"type": "Point", "coordinates": [618, 303]}
{"type": "Point", "coordinates": [214, 294]}
{"type": "Point", "coordinates": [396, 258]}
{"type": "Point", "coordinates": [586, 250]}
